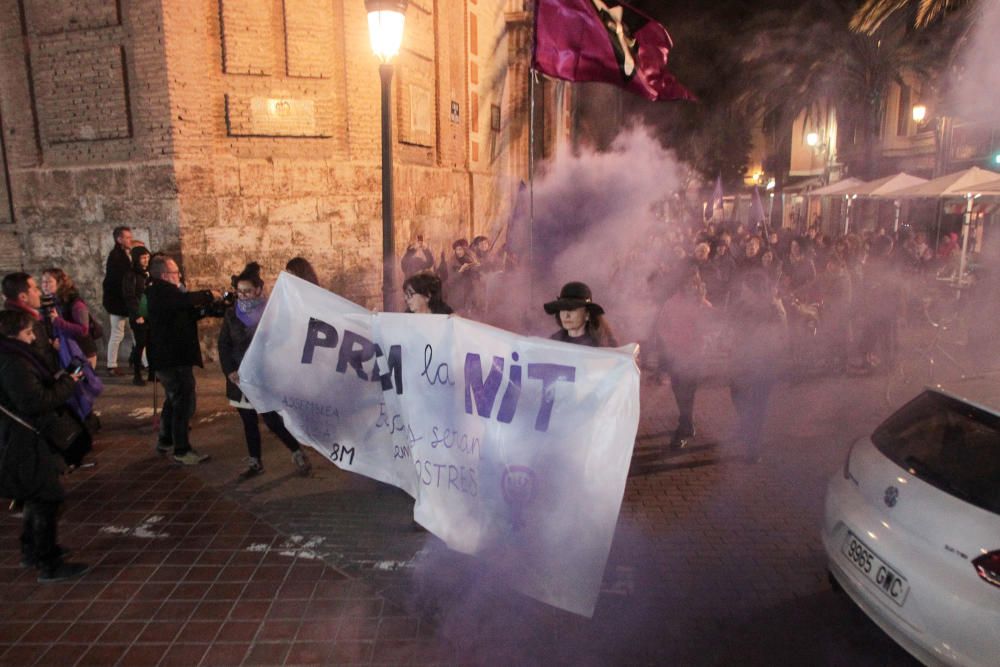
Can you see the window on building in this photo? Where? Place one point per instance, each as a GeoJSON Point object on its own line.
{"type": "Point", "coordinates": [903, 115]}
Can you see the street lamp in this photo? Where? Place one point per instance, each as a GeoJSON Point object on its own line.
{"type": "Point", "coordinates": [385, 28]}
{"type": "Point", "coordinates": [919, 112]}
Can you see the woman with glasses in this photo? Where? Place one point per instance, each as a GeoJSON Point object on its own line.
{"type": "Point", "coordinates": [238, 327]}
{"type": "Point", "coordinates": [422, 292]}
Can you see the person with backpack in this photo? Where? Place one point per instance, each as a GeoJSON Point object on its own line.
{"type": "Point", "coordinates": [67, 313]}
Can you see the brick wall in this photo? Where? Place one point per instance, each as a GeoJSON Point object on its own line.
{"type": "Point", "coordinates": [231, 130]}
{"type": "Point", "coordinates": [86, 124]}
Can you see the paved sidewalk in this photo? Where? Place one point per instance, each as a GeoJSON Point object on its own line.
{"type": "Point", "coordinates": [714, 562]}
{"type": "Point", "coordinates": [185, 576]}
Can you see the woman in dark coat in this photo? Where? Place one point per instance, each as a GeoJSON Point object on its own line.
{"type": "Point", "coordinates": [133, 287]}
{"type": "Point", "coordinates": [238, 327]}
{"type": "Point", "coordinates": [681, 329]}
{"type": "Point", "coordinates": [580, 320]}
{"type": "Point", "coordinates": [29, 470]}
{"type": "Point", "coordinates": [759, 320]}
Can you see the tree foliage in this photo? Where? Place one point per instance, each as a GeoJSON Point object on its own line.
{"type": "Point", "coordinates": [874, 13]}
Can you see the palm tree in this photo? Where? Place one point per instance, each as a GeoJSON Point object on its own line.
{"type": "Point", "coordinates": [801, 61]}
{"type": "Point", "coordinates": [870, 17]}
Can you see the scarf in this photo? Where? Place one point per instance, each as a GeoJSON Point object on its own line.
{"type": "Point", "coordinates": [248, 311]}
{"type": "Point", "coordinates": [10, 304]}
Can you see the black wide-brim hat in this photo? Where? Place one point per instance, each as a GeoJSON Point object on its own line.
{"type": "Point", "coordinates": [572, 296]}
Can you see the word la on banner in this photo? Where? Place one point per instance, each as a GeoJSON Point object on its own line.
{"type": "Point", "coordinates": [514, 448]}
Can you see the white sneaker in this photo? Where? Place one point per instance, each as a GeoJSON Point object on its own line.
{"type": "Point", "coordinates": [191, 458]}
{"type": "Point", "coordinates": [254, 468]}
{"type": "Point", "coordinates": [301, 462]}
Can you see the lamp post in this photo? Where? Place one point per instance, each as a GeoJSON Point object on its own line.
{"type": "Point", "coordinates": [385, 28]}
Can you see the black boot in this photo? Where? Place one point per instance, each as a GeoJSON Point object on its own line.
{"type": "Point", "coordinates": [50, 563]}
{"type": "Point", "coordinates": [137, 378]}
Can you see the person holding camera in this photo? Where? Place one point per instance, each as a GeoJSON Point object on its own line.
{"type": "Point", "coordinates": [173, 352]}
{"type": "Point", "coordinates": [32, 400]}
{"type": "Point", "coordinates": [238, 327]}
{"type": "Point", "coordinates": [67, 313]}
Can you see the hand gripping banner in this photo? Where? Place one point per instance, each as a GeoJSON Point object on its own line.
{"type": "Point", "coordinates": [514, 448]}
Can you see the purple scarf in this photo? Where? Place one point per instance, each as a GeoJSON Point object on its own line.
{"type": "Point", "coordinates": [249, 312]}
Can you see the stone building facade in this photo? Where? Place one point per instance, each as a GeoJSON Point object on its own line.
{"type": "Point", "coordinates": [230, 130]}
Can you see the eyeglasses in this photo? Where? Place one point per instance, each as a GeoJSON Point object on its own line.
{"type": "Point", "coordinates": [408, 293]}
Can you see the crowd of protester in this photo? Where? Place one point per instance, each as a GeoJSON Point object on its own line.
{"type": "Point", "coordinates": [747, 306]}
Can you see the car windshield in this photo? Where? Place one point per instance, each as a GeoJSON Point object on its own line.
{"type": "Point", "coordinates": [948, 444]}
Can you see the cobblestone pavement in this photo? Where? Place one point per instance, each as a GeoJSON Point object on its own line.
{"type": "Point", "coordinates": [715, 562]}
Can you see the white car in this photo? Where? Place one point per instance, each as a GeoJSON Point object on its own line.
{"type": "Point", "coordinates": [912, 527]}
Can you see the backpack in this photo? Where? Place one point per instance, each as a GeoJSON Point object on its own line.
{"type": "Point", "coordinates": [96, 330]}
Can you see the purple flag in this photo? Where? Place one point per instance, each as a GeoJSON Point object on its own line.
{"type": "Point", "coordinates": [606, 41]}
{"type": "Point", "coordinates": [716, 200]}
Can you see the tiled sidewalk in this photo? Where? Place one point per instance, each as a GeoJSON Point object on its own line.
{"type": "Point", "coordinates": [183, 576]}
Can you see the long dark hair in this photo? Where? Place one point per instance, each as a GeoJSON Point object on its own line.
{"type": "Point", "coordinates": [597, 328]}
{"type": "Point", "coordinates": [301, 268]}
{"type": "Point", "coordinates": [250, 274]}
{"type": "Point", "coordinates": [429, 285]}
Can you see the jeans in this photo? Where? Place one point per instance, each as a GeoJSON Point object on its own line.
{"type": "Point", "coordinates": [38, 535]}
{"type": "Point", "coordinates": [684, 387]}
{"type": "Point", "coordinates": [750, 396]}
{"type": "Point", "coordinates": [178, 407]}
{"type": "Point", "coordinates": [116, 334]}
{"type": "Point", "coordinates": [274, 422]}
{"type": "Point", "coordinates": [140, 334]}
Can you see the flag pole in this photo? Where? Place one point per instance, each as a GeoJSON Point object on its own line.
{"type": "Point", "coordinates": [532, 74]}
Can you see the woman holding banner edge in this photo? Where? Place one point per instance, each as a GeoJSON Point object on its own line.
{"type": "Point", "coordinates": [238, 327]}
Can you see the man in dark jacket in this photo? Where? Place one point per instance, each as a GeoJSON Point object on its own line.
{"type": "Point", "coordinates": [119, 263]}
{"type": "Point", "coordinates": [21, 293]}
{"type": "Point", "coordinates": [173, 353]}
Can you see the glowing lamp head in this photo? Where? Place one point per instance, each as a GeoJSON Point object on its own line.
{"type": "Point", "coordinates": [812, 139]}
{"type": "Point", "coordinates": [919, 112]}
{"type": "Point", "coordinates": [385, 26]}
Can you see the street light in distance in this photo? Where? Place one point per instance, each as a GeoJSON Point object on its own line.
{"type": "Point", "coordinates": [385, 28]}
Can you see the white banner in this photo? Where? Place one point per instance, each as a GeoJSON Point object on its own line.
{"type": "Point", "coordinates": [514, 447]}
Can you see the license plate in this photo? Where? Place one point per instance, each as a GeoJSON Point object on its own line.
{"type": "Point", "coordinates": [876, 570]}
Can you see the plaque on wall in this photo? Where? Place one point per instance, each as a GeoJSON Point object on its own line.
{"type": "Point", "coordinates": [420, 110]}
{"type": "Point", "coordinates": [274, 116]}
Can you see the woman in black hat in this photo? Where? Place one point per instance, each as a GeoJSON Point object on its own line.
{"type": "Point", "coordinates": [580, 320]}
